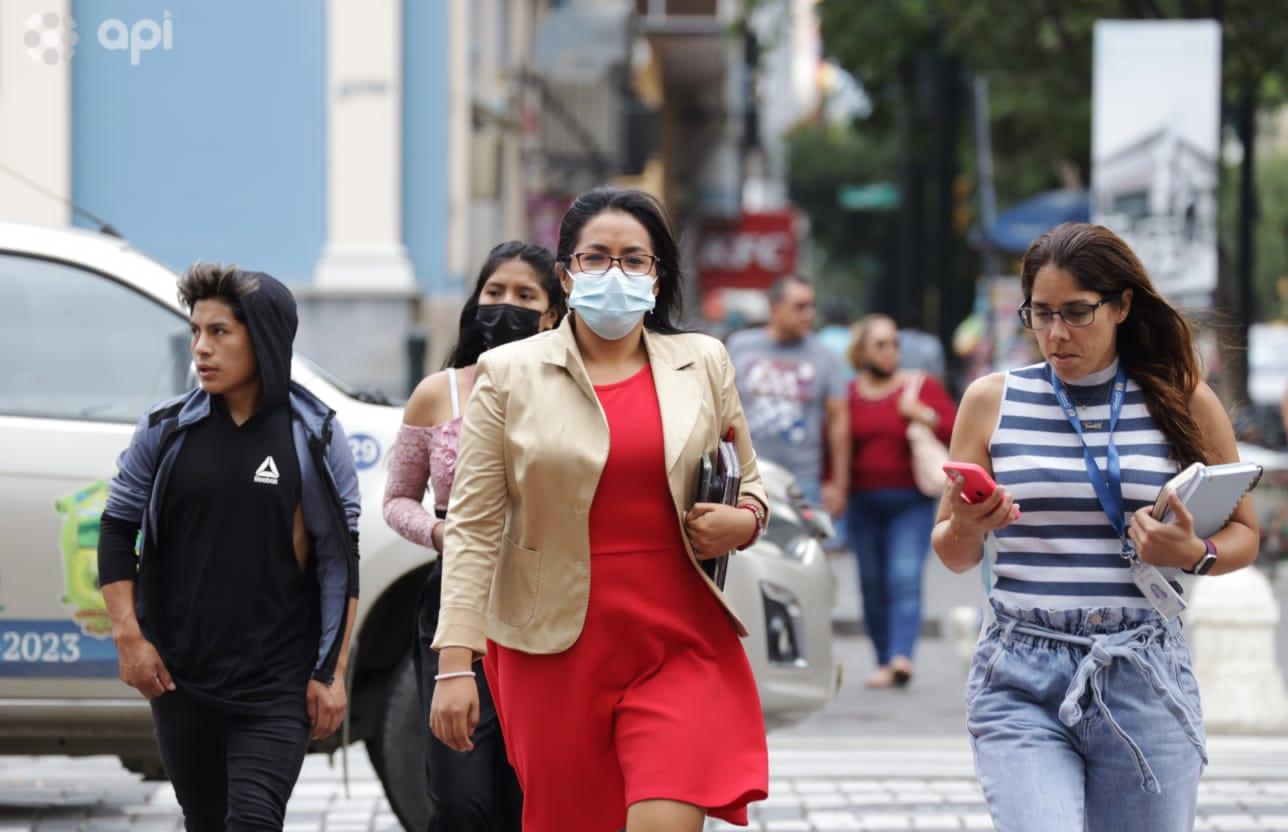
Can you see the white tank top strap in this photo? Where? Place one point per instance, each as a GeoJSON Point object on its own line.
{"type": "Point", "coordinates": [456, 399]}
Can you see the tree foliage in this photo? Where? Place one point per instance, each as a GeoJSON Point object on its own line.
{"type": "Point", "coordinates": [847, 243]}
{"type": "Point", "coordinates": [1037, 57]}
{"type": "Point", "coordinates": [1270, 275]}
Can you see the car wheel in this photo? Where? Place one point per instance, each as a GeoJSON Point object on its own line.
{"type": "Point", "coordinates": [397, 749]}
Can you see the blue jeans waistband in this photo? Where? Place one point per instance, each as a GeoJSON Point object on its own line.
{"type": "Point", "coordinates": [1092, 621]}
{"type": "Point", "coordinates": [1107, 634]}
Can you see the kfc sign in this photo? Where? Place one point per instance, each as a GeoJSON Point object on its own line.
{"type": "Point", "coordinates": [748, 252]}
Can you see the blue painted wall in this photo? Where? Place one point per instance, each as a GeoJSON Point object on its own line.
{"type": "Point", "coordinates": [425, 102]}
{"type": "Point", "coordinates": [216, 148]}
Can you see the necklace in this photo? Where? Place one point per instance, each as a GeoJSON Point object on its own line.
{"type": "Point", "coordinates": [1084, 406]}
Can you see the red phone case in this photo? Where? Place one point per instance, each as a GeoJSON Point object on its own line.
{"type": "Point", "coordinates": [976, 483]}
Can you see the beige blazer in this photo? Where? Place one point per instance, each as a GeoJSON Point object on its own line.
{"type": "Point", "coordinates": [516, 562]}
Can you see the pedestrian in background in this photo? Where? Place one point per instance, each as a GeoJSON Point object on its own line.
{"type": "Point", "coordinates": [515, 296]}
{"type": "Point", "coordinates": [923, 352]}
{"type": "Point", "coordinates": [572, 553]}
{"type": "Point", "coordinates": [888, 520]}
{"type": "Point", "coordinates": [793, 387]}
{"type": "Point", "coordinates": [234, 618]}
{"type": "Point", "coordinates": [1081, 702]}
{"type": "Point", "coordinates": [836, 336]}
{"type": "Point", "coordinates": [1283, 416]}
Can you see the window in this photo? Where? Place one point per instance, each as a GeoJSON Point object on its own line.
{"type": "Point", "coordinates": [77, 345]}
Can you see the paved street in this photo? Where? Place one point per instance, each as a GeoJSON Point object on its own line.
{"type": "Point", "coordinates": [816, 785]}
{"type": "Point", "coordinates": [873, 760]}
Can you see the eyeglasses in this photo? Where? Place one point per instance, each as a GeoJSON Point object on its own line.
{"type": "Point", "coordinates": [596, 263]}
{"type": "Point", "coordinates": [1075, 315]}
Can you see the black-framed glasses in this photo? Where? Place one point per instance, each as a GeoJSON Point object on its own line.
{"type": "Point", "coordinates": [596, 263]}
{"type": "Point", "coordinates": [1077, 314]}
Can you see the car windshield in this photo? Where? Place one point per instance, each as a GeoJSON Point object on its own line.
{"type": "Point", "coordinates": [316, 369]}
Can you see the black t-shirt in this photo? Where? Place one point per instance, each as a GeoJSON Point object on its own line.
{"type": "Point", "coordinates": [234, 616]}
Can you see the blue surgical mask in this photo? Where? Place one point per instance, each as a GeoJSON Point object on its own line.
{"type": "Point", "coordinates": [613, 303]}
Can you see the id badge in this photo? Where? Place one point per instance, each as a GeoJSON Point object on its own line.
{"type": "Point", "coordinates": [1156, 588]}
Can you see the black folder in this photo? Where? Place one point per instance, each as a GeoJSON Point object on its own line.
{"type": "Point", "coordinates": [719, 481]}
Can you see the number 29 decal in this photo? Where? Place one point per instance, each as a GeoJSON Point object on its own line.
{"type": "Point", "coordinates": [366, 450]}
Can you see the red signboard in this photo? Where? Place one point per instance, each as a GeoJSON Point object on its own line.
{"type": "Point", "coordinates": [747, 252]}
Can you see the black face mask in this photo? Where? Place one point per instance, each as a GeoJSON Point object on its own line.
{"type": "Point", "coordinates": [500, 323]}
{"type": "Point", "coordinates": [880, 373]}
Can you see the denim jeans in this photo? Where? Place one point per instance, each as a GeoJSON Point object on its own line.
{"type": "Point", "coordinates": [1086, 720]}
{"type": "Point", "coordinates": [889, 531]}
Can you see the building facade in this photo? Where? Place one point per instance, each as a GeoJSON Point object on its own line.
{"type": "Point", "coordinates": [370, 152]}
{"type": "Point", "coordinates": [327, 142]}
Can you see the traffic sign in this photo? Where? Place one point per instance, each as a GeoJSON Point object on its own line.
{"type": "Point", "coordinates": [879, 196]}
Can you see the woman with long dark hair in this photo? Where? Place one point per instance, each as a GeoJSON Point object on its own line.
{"type": "Point", "coordinates": [1081, 702]}
{"type": "Point", "coordinates": [515, 296]}
{"type": "Point", "coordinates": [573, 553]}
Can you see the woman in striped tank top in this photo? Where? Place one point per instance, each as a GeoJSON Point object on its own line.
{"type": "Point", "coordinates": [1081, 703]}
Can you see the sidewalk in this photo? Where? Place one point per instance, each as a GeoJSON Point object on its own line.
{"type": "Point", "coordinates": [878, 784]}
{"type": "Point", "coordinates": [932, 704]}
{"type": "Point", "coordinates": [928, 783]}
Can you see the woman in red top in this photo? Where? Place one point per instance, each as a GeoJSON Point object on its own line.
{"type": "Point", "coordinates": [888, 521]}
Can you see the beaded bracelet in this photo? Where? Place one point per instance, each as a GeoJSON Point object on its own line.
{"type": "Point", "coordinates": [758, 513]}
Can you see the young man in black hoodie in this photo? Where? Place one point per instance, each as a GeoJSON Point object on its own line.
{"type": "Point", "coordinates": [233, 616]}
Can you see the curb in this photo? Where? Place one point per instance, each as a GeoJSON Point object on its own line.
{"type": "Point", "coordinates": [854, 627]}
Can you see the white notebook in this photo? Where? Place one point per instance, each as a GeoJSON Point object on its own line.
{"type": "Point", "coordinates": [1210, 492]}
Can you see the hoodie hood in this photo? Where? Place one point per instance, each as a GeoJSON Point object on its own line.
{"type": "Point", "coordinates": [270, 314]}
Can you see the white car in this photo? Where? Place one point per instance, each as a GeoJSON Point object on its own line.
{"type": "Point", "coordinates": [91, 334]}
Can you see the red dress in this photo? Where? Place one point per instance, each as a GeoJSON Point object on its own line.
{"type": "Point", "coordinates": [656, 698]}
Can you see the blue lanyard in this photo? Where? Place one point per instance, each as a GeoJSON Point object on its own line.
{"type": "Point", "coordinates": [1109, 484]}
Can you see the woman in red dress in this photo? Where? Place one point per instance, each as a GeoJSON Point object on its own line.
{"type": "Point", "coordinates": [572, 551]}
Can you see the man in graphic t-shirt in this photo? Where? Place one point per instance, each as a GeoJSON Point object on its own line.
{"type": "Point", "coordinates": [793, 391]}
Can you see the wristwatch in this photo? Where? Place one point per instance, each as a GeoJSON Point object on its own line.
{"type": "Point", "coordinates": [1205, 563]}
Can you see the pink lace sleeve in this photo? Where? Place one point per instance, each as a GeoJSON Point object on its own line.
{"type": "Point", "coordinates": [405, 488]}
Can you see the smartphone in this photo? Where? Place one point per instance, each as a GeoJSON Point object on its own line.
{"type": "Point", "coordinates": [976, 483]}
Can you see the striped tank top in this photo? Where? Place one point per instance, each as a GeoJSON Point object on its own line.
{"type": "Point", "coordinates": [1062, 553]}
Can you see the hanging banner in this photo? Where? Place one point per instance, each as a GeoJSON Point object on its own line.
{"type": "Point", "coordinates": [1154, 149]}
